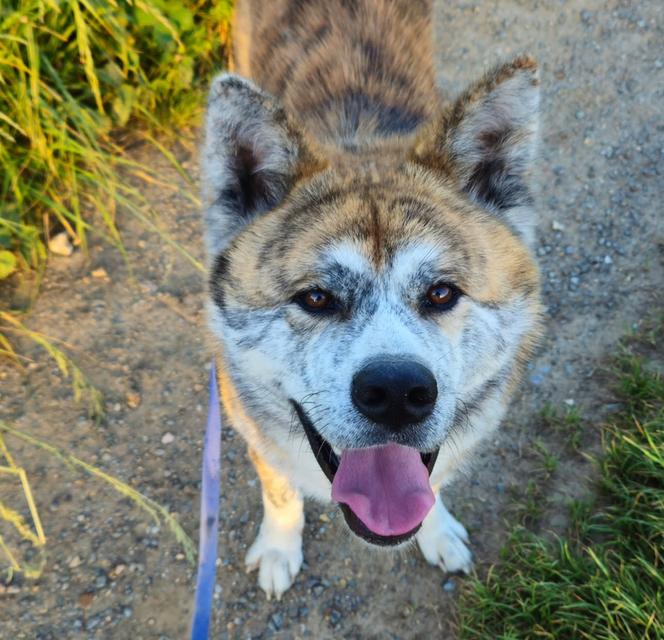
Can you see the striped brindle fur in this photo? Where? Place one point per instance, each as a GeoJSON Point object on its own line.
{"type": "Point", "coordinates": [339, 168]}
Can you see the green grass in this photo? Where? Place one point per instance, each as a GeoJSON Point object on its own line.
{"type": "Point", "coordinates": [605, 579]}
{"type": "Point", "coordinates": [78, 79]}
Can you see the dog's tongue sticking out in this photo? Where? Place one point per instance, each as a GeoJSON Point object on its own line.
{"type": "Point", "coordinates": [387, 488]}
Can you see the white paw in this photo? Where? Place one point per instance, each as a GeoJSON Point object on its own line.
{"type": "Point", "coordinates": [442, 540]}
{"type": "Point", "coordinates": [277, 563]}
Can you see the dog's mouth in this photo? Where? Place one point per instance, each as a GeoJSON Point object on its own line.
{"type": "Point", "coordinates": [383, 492]}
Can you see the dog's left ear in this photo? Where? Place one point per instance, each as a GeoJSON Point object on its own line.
{"type": "Point", "coordinates": [253, 156]}
{"type": "Point", "coordinates": [485, 142]}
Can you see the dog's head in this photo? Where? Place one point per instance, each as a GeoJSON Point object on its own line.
{"type": "Point", "coordinates": [381, 297]}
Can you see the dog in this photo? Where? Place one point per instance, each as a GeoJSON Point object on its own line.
{"type": "Point", "coordinates": [373, 296]}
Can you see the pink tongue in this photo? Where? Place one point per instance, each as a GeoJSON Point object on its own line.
{"type": "Point", "coordinates": [386, 487]}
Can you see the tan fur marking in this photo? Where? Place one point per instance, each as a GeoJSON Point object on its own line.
{"type": "Point", "coordinates": [275, 485]}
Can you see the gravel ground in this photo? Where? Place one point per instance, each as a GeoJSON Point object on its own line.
{"type": "Point", "coordinates": [113, 574]}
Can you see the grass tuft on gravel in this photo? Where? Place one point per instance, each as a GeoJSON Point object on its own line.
{"type": "Point", "coordinates": [605, 579]}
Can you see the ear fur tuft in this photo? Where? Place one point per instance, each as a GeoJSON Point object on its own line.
{"type": "Point", "coordinates": [485, 142]}
{"type": "Point", "coordinates": [252, 157]}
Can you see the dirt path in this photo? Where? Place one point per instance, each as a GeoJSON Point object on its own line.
{"type": "Point", "coordinates": [111, 574]}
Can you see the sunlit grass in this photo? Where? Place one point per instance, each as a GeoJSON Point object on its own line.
{"type": "Point", "coordinates": [77, 80]}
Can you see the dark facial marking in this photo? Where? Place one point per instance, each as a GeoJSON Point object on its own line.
{"type": "Point", "coordinates": [218, 277]}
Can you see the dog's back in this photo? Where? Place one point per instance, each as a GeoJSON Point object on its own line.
{"type": "Point", "coordinates": [349, 70]}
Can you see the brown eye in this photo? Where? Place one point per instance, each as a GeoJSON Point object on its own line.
{"type": "Point", "coordinates": [442, 296]}
{"type": "Point", "coordinates": [316, 300]}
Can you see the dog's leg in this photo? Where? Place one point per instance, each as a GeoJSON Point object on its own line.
{"type": "Point", "coordinates": [443, 539]}
{"type": "Point", "coordinates": [277, 550]}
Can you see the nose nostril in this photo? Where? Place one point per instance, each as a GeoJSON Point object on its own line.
{"type": "Point", "coordinates": [419, 396]}
{"type": "Point", "coordinates": [394, 392]}
{"type": "Point", "coordinates": [374, 396]}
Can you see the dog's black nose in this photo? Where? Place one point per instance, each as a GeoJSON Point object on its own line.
{"type": "Point", "coordinates": [394, 392]}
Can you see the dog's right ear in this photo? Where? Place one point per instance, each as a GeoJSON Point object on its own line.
{"type": "Point", "coordinates": [252, 157]}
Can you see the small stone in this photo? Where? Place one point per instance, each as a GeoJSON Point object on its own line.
{"type": "Point", "coordinates": [335, 617]}
{"type": "Point", "coordinates": [557, 226]}
{"type": "Point", "coordinates": [276, 621]}
{"type": "Point", "coordinates": [86, 598]}
{"type": "Point", "coordinates": [99, 273]}
{"type": "Point", "coordinates": [74, 562]}
{"type": "Point", "coordinates": [167, 438]}
{"type": "Point", "coordinates": [323, 517]}
{"type": "Point", "coordinates": [449, 586]}
{"type": "Point", "coordinates": [118, 570]}
{"type": "Point", "coordinates": [569, 402]}
{"type": "Point", "coordinates": [133, 399]}
{"type": "Point", "coordinates": [608, 260]}
{"type": "Point", "coordinates": [60, 245]}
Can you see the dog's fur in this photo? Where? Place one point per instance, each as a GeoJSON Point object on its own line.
{"type": "Point", "coordinates": [346, 171]}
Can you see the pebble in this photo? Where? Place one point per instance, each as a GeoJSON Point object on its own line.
{"type": "Point", "coordinates": [118, 570]}
{"type": "Point", "coordinates": [86, 598]}
{"type": "Point", "coordinates": [335, 617]}
{"type": "Point", "coordinates": [167, 438]}
{"type": "Point", "coordinates": [60, 245]}
{"type": "Point", "coordinates": [133, 399]}
{"type": "Point", "coordinates": [74, 562]}
{"type": "Point", "coordinates": [449, 586]}
{"type": "Point", "coordinates": [276, 621]}
{"type": "Point", "coordinates": [99, 273]}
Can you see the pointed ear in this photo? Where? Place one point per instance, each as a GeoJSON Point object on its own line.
{"type": "Point", "coordinates": [485, 142]}
{"type": "Point", "coordinates": [252, 157]}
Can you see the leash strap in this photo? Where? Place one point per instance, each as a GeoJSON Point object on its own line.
{"type": "Point", "coordinates": [207, 546]}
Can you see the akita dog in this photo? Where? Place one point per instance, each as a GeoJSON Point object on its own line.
{"type": "Point", "coordinates": [373, 295]}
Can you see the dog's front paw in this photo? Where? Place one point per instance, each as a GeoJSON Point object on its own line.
{"type": "Point", "coordinates": [442, 540]}
{"type": "Point", "coordinates": [277, 563]}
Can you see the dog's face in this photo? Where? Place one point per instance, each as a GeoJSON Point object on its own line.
{"type": "Point", "coordinates": [379, 297]}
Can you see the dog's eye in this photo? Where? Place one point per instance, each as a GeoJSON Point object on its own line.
{"type": "Point", "coordinates": [316, 300]}
{"type": "Point", "coordinates": [442, 296]}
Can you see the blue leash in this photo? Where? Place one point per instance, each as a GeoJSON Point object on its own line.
{"type": "Point", "coordinates": [207, 546]}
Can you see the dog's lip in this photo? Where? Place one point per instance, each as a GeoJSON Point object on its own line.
{"type": "Point", "coordinates": [329, 463]}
